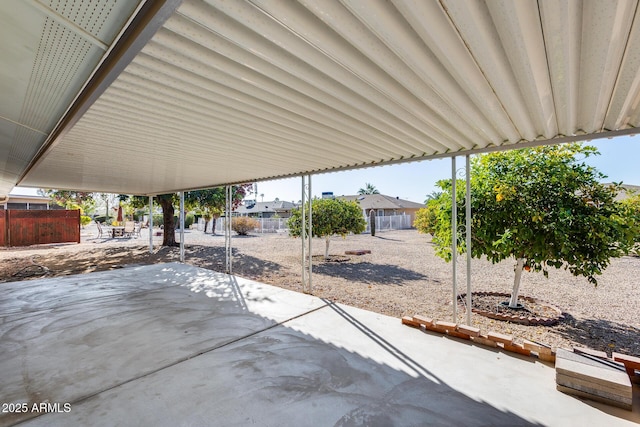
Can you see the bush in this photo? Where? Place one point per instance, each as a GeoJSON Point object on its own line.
{"type": "Point", "coordinates": [158, 220]}
{"type": "Point", "coordinates": [84, 220]}
{"type": "Point", "coordinates": [427, 218]}
{"type": "Point", "coordinates": [102, 219]}
{"type": "Point", "coordinates": [243, 225]}
{"type": "Point", "coordinates": [188, 220]}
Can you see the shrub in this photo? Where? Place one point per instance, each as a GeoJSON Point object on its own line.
{"type": "Point", "coordinates": [102, 219]}
{"type": "Point", "coordinates": [188, 220]}
{"type": "Point", "coordinates": [243, 225]}
{"type": "Point", "coordinates": [84, 220]}
{"type": "Point", "coordinates": [158, 220]}
{"type": "Point", "coordinates": [427, 218]}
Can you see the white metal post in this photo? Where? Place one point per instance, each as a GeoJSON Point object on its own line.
{"type": "Point", "coordinates": [150, 224]}
{"type": "Point", "coordinates": [306, 234]}
{"type": "Point", "coordinates": [454, 238]}
{"type": "Point", "coordinates": [310, 234]}
{"type": "Point", "coordinates": [303, 232]}
{"type": "Point", "coordinates": [468, 235]}
{"type": "Point", "coordinates": [227, 230]}
{"type": "Point", "coordinates": [181, 216]}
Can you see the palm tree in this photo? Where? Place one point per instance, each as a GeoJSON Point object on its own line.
{"type": "Point", "coordinates": [368, 189]}
{"type": "Point", "coordinates": [433, 196]}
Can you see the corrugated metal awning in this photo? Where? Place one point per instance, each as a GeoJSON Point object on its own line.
{"type": "Point", "coordinates": [236, 91]}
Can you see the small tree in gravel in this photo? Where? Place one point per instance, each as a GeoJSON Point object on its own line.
{"type": "Point", "coordinates": [544, 207]}
{"type": "Point", "coordinates": [330, 217]}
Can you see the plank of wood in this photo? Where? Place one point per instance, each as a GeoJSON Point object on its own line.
{"type": "Point", "coordinates": [498, 337]}
{"type": "Point", "coordinates": [589, 396]}
{"type": "Point", "coordinates": [406, 320]}
{"type": "Point", "coordinates": [469, 330]}
{"type": "Point", "coordinates": [629, 361]}
{"type": "Point", "coordinates": [591, 352]}
{"type": "Point", "coordinates": [358, 252]}
{"type": "Point", "coordinates": [587, 387]}
{"type": "Point", "coordinates": [580, 367]}
{"type": "Point", "coordinates": [423, 320]}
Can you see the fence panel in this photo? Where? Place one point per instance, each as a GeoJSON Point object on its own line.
{"type": "Point", "coordinates": [279, 225]}
{"type": "Point", "coordinates": [392, 222]}
{"type": "Point", "coordinates": [35, 227]}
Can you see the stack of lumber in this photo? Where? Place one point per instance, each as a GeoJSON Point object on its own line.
{"type": "Point", "coordinates": [593, 377]}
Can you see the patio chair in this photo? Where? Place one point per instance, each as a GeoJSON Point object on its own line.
{"type": "Point", "coordinates": [136, 229]}
{"type": "Point", "coordinates": [104, 231]}
{"type": "Point", "coordinates": [129, 228]}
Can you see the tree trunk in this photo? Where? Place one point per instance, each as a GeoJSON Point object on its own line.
{"type": "Point", "coordinates": [326, 248]}
{"type": "Point", "coordinates": [206, 222]}
{"type": "Point", "coordinates": [213, 224]}
{"type": "Point", "coordinates": [169, 232]}
{"type": "Point", "coordinates": [513, 302]}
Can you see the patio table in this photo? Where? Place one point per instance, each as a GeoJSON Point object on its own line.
{"type": "Point", "coordinates": [117, 231]}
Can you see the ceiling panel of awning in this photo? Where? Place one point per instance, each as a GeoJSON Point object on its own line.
{"type": "Point", "coordinates": [236, 91]}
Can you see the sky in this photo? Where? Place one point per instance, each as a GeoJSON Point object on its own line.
{"type": "Point", "coordinates": [619, 160]}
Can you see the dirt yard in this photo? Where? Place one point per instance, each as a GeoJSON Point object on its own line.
{"type": "Point", "coordinates": [401, 276]}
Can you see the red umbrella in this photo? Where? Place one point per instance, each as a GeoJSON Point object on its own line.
{"type": "Point", "coordinates": [119, 219]}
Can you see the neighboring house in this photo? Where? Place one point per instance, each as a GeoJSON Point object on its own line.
{"type": "Point", "coordinates": [274, 209]}
{"type": "Point", "coordinates": [16, 201]}
{"type": "Point", "coordinates": [385, 205]}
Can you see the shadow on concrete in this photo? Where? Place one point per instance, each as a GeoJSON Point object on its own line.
{"type": "Point", "coordinates": [369, 273]}
{"type": "Point", "coordinates": [609, 336]}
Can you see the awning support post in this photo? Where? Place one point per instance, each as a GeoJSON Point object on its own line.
{"type": "Point", "coordinates": [468, 236]}
{"type": "Point", "coordinates": [181, 216]}
{"type": "Point", "coordinates": [454, 238]}
{"type": "Point", "coordinates": [150, 224]}
{"type": "Point", "coordinates": [306, 234]}
{"type": "Point", "coordinates": [227, 230]}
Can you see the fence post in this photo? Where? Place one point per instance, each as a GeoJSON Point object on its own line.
{"type": "Point", "coordinates": [79, 229]}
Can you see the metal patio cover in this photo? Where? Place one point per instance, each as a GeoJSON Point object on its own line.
{"type": "Point", "coordinates": [156, 97]}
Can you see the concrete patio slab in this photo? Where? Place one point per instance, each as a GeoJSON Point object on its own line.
{"type": "Point", "coordinates": [177, 345]}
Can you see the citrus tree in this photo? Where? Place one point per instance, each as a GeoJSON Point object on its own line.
{"type": "Point", "coordinates": [329, 217]}
{"type": "Point", "coordinates": [631, 205]}
{"type": "Point", "coordinates": [543, 206]}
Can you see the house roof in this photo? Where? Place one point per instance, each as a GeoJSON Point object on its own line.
{"type": "Point", "coordinates": [26, 198]}
{"type": "Point", "coordinates": [153, 97]}
{"type": "Point", "coordinates": [627, 191]}
{"type": "Point", "coordinates": [380, 201]}
{"type": "Point", "coordinates": [273, 206]}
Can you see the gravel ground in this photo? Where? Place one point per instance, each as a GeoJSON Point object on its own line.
{"type": "Point", "coordinates": [401, 276]}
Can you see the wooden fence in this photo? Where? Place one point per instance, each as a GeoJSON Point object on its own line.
{"type": "Point", "coordinates": [36, 227]}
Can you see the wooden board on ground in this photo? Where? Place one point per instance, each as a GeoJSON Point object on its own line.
{"type": "Point", "coordinates": [357, 252]}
